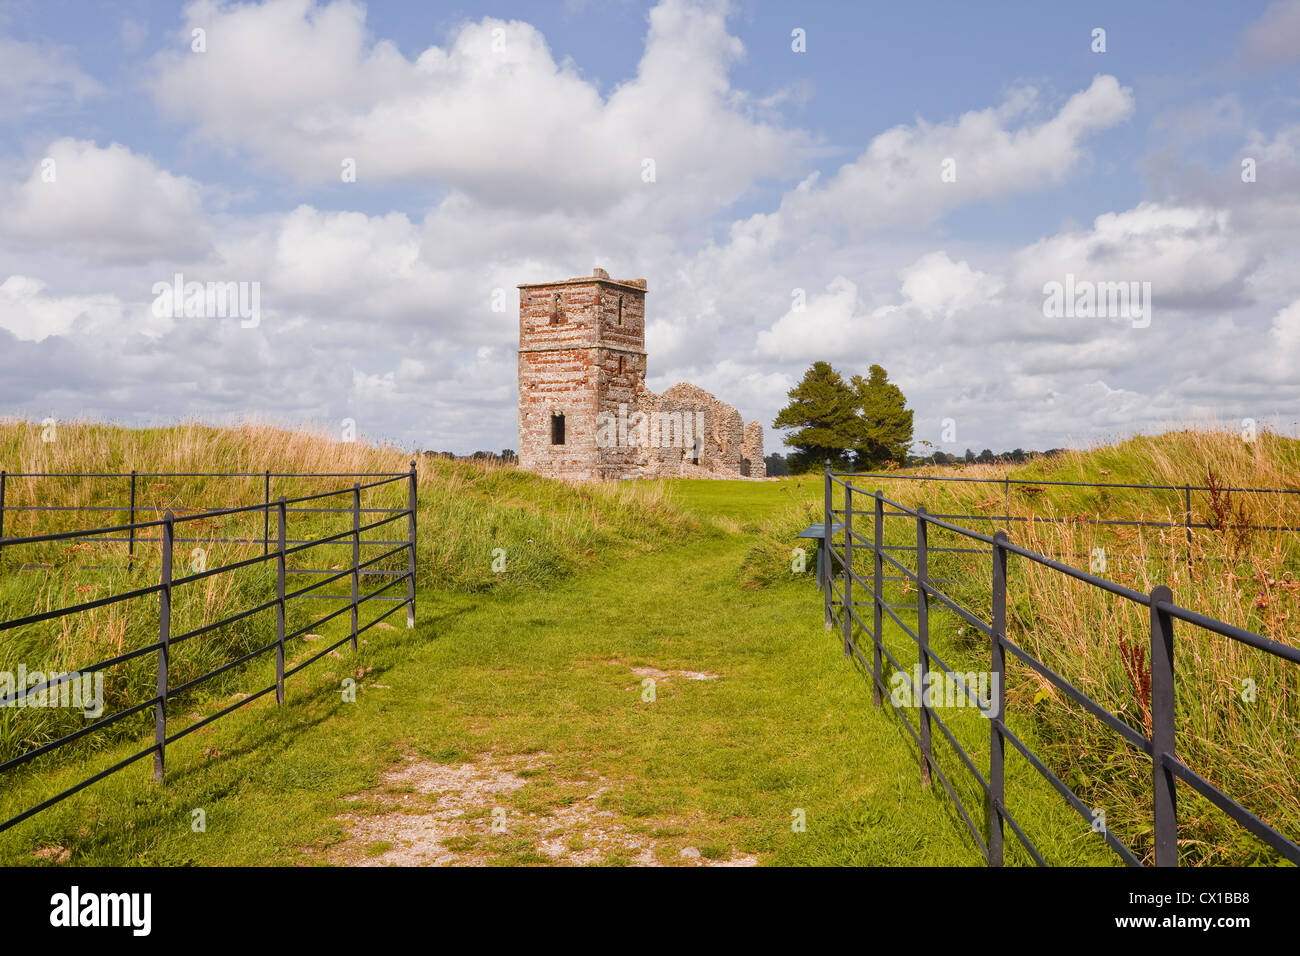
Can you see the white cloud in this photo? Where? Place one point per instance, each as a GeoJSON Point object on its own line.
{"type": "Point", "coordinates": [105, 202]}
{"type": "Point", "coordinates": [826, 324]}
{"type": "Point", "coordinates": [1275, 37]}
{"type": "Point", "coordinates": [38, 78]}
{"type": "Point", "coordinates": [491, 113]}
{"type": "Point", "coordinates": [385, 316]}
{"type": "Point", "coordinates": [32, 315]}
{"type": "Point", "coordinates": [898, 179]}
{"type": "Point", "coordinates": [1285, 338]}
{"type": "Point", "coordinates": [1188, 254]}
{"type": "Point", "coordinates": [938, 287]}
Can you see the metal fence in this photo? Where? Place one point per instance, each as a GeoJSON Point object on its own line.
{"type": "Point", "coordinates": [277, 549]}
{"type": "Point", "coordinates": [841, 609]}
{"type": "Point", "coordinates": [1185, 493]}
{"type": "Point", "coordinates": [136, 483]}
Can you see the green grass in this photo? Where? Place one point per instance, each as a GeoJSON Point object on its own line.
{"type": "Point", "coordinates": [1247, 746]}
{"type": "Point", "coordinates": [720, 765]}
{"type": "Point", "coordinates": [531, 670]}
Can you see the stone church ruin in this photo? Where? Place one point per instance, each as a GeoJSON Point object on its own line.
{"type": "Point", "coordinates": [584, 409]}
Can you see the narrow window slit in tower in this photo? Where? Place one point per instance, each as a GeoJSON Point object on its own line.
{"type": "Point", "coordinates": [620, 310]}
{"type": "Point", "coordinates": [557, 428]}
{"type": "Point", "coordinates": [555, 309]}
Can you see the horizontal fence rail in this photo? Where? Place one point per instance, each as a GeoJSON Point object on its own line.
{"type": "Point", "coordinates": [278, 547]}
{"type": "Point", "coordinates": [134, 481]}
{"type": "Point", "coordinates": [841, 584]}
{"type": "Point", "coordinates": [1186, 491]}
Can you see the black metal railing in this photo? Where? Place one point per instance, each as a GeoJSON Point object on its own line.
{"type": "Point", "coordinates": [277, 550]}
{"type": "Point", "coordinates": [841, 608]}
{"type": "Point", "coordinates": [1185, 493]}
{"type": "Point", "coordinates": [137, 482]}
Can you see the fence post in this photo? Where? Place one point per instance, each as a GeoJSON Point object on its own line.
{"type": "Point", "coordinates": [356, 557]}
{"type": "Point", "coordinates": [413, 501]}
{"type": "Point", "coordinates": [282, 515]}
{"type": "Point", "coordinates": [164, 647]}
{"type": "Point", "coordinates": [827, 550]}
{"type": "Point", "coordinates": [923, 637]}
{"type": "Point", "coordinates": [130, 540]}
{"type": "Point", "coordinates": [846, 608]}
{"type": "Point", "coordinates": [878, 571]}
{"type": "Point", "coordinates": [266, 514]}
{"type": "Point", "coordinates": [1164, 793]}
{"type": "Point", "coordinates": [1187, 520]}
{"type": "Point", "coordinates": [998, 701]}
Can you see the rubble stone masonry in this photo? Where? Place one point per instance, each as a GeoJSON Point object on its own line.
{"type": "Point", "coordinates": [584, 409]}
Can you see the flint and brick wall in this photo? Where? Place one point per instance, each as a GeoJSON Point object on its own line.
{"type": "Point", "coordinates": [582, 355]}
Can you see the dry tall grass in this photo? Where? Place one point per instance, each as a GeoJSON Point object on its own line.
{"type": "Point", "coordinates": [1238, 709]}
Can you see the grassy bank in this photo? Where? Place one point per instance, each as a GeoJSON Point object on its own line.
{"type": "Point", "coordinates": [1238, 710]}
{"type": "Point", "coordinates": [480, 528]}
{"type": "Point", "coordinates": [652, 709]}
{"type": "Point", "coordinates": [544, 609]}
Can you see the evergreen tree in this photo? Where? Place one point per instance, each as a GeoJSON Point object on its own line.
{"type": "Point", "coordinates": [883, 430]}
{"type": "Point", "coordinates": [822, 409]}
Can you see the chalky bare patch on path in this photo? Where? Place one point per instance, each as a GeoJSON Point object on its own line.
{"type": "Point", "coordinates": [433, 814]}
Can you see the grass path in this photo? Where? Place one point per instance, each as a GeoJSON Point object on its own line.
{"type": "Point", "coordinates": [514, 729]}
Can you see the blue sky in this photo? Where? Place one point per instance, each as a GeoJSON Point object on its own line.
{"type": "Point", "coordinates": [777, 171]}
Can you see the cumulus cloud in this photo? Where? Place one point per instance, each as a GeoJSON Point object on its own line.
{"type": "Point", "coordinates": [105, 202]}
{"type": "Point", "coordinates": [900, 177]}
{"type": "Point", "coordinates": [32, 315]}
{"type": "Point", "coordinates": [405, 319]}
{"type": "Point", "coordinates": [491, 113]}
{"type": "Point", "coordinates": [938, 287]}
{"type": "Point", "coordinates": [1190, 255]}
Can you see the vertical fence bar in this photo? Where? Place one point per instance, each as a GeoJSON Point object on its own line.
{"type": "Point", "coordinates": [923, 637]}
{"type": "Point", "coordinates": [356, 557]}
{"type": "Point", "coordinates": [826, 544]}
{"type": "Point", "coordinates": [413, 501]}
{"type": "Point", "coordinates": [164, 647]}
{"type": "Point", "coordinates": [846, 608]}
{"type": "Point", "coordinates": [1187, 519]}
{"type": "Point", "coordinates": [279, 603]}
{"type": "Point", "coordinates": [878, 583]}
{"type": "Point", "coordinates": [266, 515]}
{"type": "Point", "coordinates": [4, 477]}
{"type": "Point", "coordinates": [130, 539]}
{"type": "Point", "coordinates": [1163, 734]}
{"type": "Point", "coordinates": [997, 702]}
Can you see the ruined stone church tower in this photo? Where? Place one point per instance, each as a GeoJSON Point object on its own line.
{"type": "Point", "coordinates": [584, 409]}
